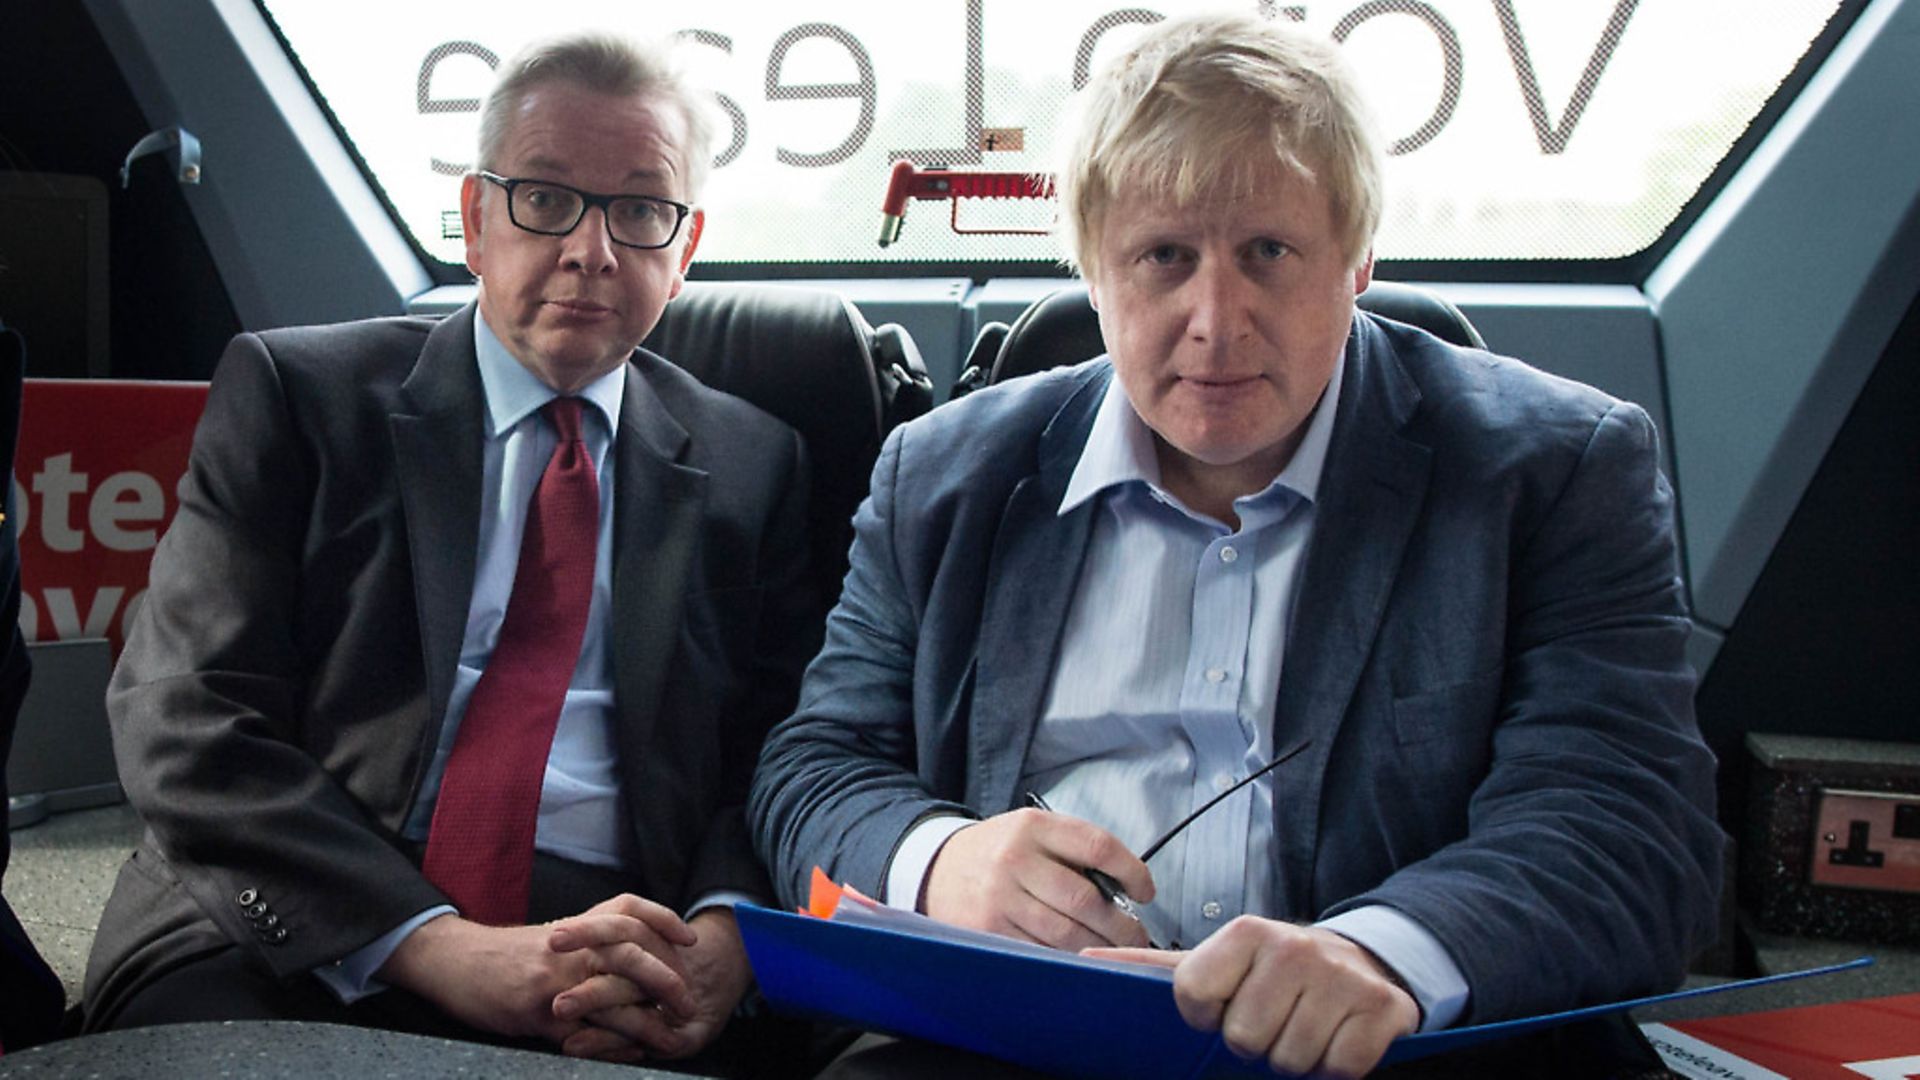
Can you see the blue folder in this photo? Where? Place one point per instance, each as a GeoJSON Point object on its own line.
{"type": "Point", "coordinates": [1058, 1014]}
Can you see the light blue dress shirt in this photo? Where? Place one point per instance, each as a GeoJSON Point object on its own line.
{"type": "Point", "coordinates": [1169, 666]}
{"type": "Point", "coordinates": [1165, 689]}
{"type": "Point", "coordinates": [582, 813]}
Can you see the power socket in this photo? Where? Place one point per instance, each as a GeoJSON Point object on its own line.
{"type": "Point", "coordinates": [1866, 840]}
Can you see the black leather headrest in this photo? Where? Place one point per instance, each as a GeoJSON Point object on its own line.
{"type": "Point", "coordinates": [1061, 325]}
{"type": "Point", "coordinates": [1423, 308]}
{"type": "Point", "coordinates": [808, 357]}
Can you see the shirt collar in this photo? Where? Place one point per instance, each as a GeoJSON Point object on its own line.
{"type": "Point", "coordinates": [1119, 450]}
{"type": "Point", "coordinates": [513, 392]}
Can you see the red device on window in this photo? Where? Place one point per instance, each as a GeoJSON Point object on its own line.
{"type": "Point", "coordinates": [908, 181]}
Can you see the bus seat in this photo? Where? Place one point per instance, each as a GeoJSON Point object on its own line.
{"type": "Point", "coordinates": [979, 362]}
{"type": "Point", "coordinates": [810, 358]}
{"type": "Point", "coordinates": [1062, 327]}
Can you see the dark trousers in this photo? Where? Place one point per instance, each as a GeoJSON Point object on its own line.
{"type": "Point", "coordinates": [31, 992]}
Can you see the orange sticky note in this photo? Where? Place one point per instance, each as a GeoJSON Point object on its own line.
{"type": "Point", "coordinates": [822, 896]}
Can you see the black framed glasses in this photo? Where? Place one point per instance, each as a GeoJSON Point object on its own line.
{"type": "Point", "coordinates": [550, 209]}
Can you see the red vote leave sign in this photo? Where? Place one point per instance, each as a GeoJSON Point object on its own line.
{"type": "Point", "coordinates": [96, 482]}
{"type": "Point", "coordinates": [1875, 1038]}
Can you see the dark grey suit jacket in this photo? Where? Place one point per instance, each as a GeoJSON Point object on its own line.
{"type": "Point", "coordinates": [1486, 654]}
{"type": "Point", "coordinates": [284, 684]}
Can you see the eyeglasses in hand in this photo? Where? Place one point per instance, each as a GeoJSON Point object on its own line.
{"type": "Point", "coordinates": [1111, 889]}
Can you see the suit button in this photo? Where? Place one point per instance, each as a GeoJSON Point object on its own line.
{"type": "Point", "coordinates": [247, 897]}
{"type": "Point", "coordinates": [254, 911]}
{"type": "Point", "coordinates": [278, 935]}
{"type": "Point", "coordinates": [266, 922]}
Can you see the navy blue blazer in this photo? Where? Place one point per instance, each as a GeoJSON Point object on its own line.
{"type": "Point", "coordinates": [1487, 654]}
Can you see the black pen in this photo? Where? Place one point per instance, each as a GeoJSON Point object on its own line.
{"type": "Point", "coordinates": [1102, 880]}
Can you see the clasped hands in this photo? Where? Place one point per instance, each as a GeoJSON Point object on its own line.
{"type": "Point", "coordinates": [1307, 1000]}
{"type": "Point", "coordinates": [626, 980]}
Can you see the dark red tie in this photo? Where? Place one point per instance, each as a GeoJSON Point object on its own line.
{"type": "Point", "coordinates": [480, 847]}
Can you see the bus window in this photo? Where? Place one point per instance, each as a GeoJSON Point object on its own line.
{"type": "Point", "coordinates": [1518, 130]}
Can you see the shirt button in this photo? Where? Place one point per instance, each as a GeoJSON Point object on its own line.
{"type": "Point", "coordinates": [1211, 909]}
{"type": "Point", "coordinates": [1228, 554]}
{"type": "Point", "coordinates": [1215, 675]}
{"type": "Point", "coordinates": [1222, 782]}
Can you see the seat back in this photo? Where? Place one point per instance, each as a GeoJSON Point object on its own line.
{"type": "Point", "coordinates": [1062, 328]}
{"type": "Point", "coordinates": [810, 358]}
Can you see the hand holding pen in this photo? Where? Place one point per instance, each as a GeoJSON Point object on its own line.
{"type": "Point", "coordinates": [1020, 874]}
{"type": "Point", "coordinates": [1051, 878]}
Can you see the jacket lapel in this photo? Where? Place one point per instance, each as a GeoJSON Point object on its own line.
{"type": "Point", "coordinates": [437, 443]}
{"type": "Point", "coordinates": [657, 509]}
{"type": "Point", "coordinates": [1370, 500]}
{"type": "Point", "coordinates": [1037, 555]}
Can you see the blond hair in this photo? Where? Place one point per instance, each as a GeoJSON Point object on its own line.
{"type": "Point", "coordinates": [1201, 107]}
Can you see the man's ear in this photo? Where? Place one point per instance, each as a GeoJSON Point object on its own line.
{"type": "Point", "coordinates": [471, 190]}
{"type": "Point", "coordinates": [695, 223]}
{"type": "Point", "coordinates": [1363, 275]}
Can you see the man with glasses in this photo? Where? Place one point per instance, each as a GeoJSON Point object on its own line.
{"type": "Point", "coordinates": [470, 626]}
{"type": "Point", "coordinates": [1439, 587]}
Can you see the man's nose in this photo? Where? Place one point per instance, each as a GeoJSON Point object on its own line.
{"type": "Point", "coordinates": [589, 247]}
{"type": "Point", "coordinates": [1219, 301]}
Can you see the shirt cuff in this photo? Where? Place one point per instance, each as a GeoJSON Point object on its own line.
{"type": "Point", "coordinates": [914, 857]}
{"type": "Point", "coordinates": [351, 977]}
{"type": "Point", "coordinates": [1414, 954]}
{"type": "Point", "coordinates": [725, 898]}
